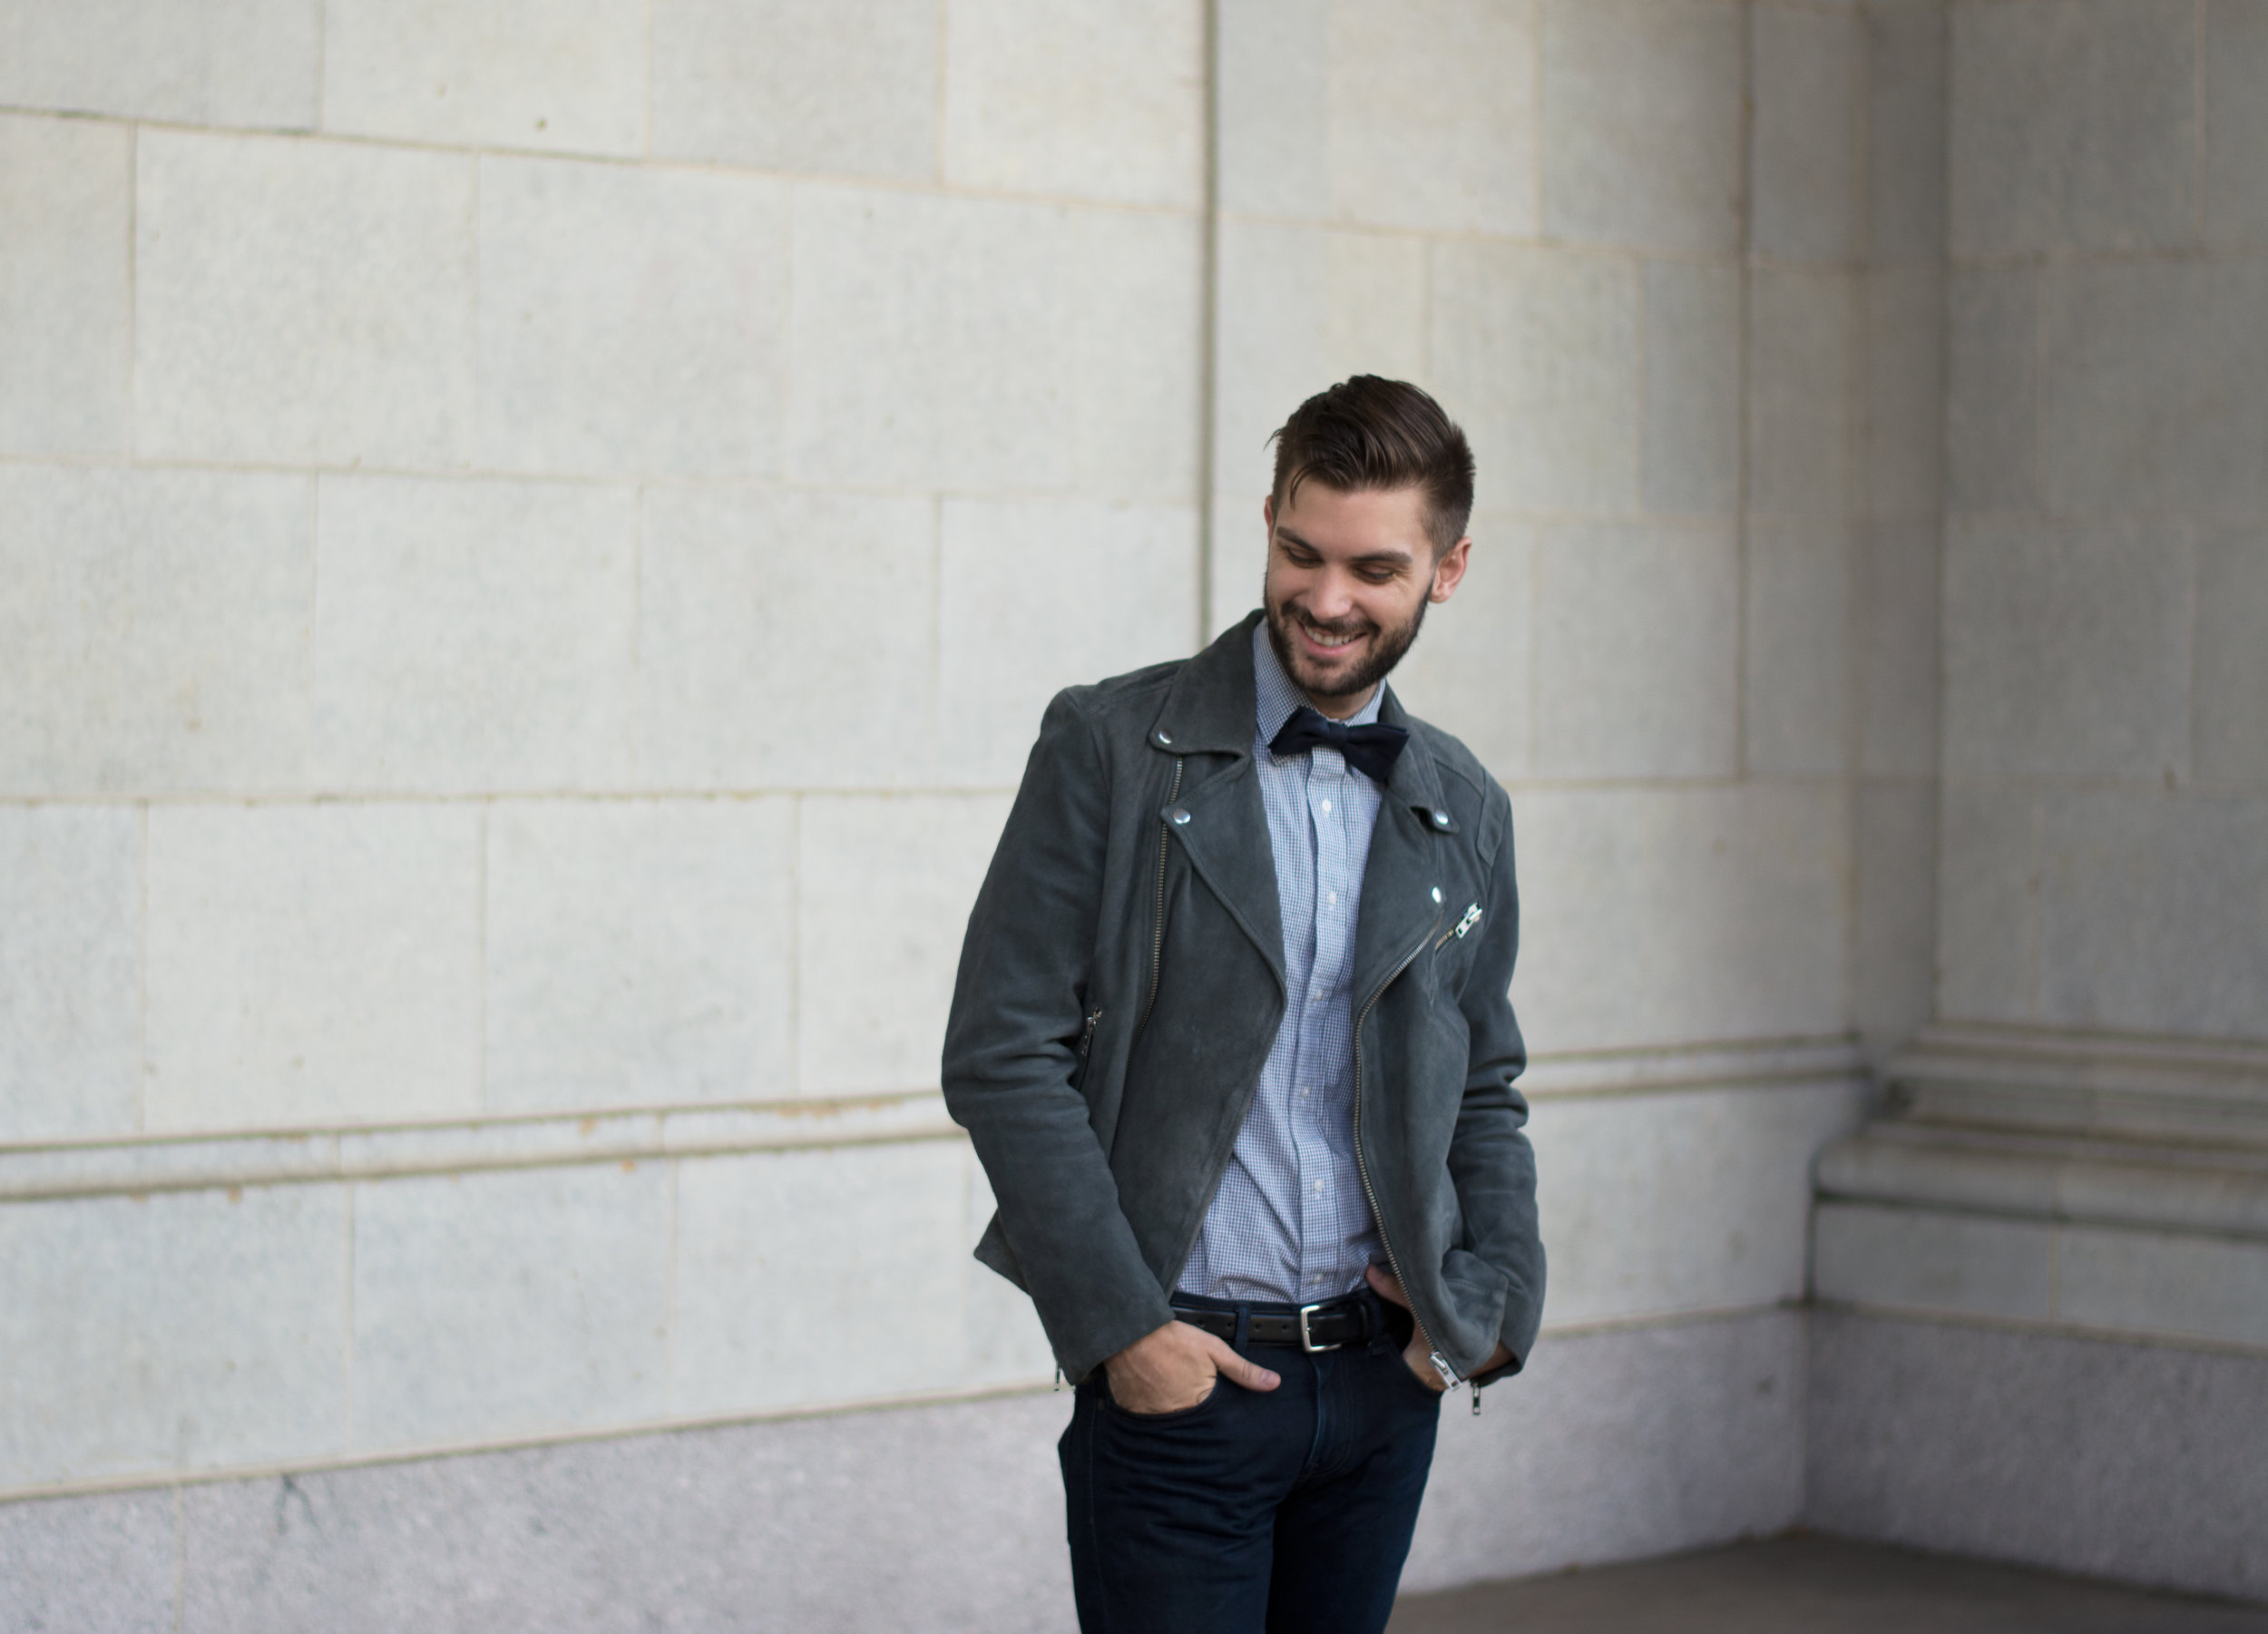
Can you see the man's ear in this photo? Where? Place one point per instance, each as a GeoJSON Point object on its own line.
{"type": "Point", "coordinates": [1449, 571]}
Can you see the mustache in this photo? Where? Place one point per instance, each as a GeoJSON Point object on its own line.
{"type": "Point", "coordinates": [1334, 629]}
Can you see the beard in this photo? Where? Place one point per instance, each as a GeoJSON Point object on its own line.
{"type": "Point", "coordinates": [1376, 661]}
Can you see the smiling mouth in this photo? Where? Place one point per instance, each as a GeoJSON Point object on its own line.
{"type": "Point", "coordinates": [1328, 644]}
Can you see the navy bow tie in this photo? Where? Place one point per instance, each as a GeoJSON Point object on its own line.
{"type": "Point", "coordinates": [1369, 749]}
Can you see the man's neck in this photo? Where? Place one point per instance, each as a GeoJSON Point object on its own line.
{"type": "Point", "coordinates": [1341, 708]}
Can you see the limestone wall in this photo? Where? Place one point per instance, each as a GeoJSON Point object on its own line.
{"type": "Point", "coordinates": [536, 537]}
{"type": "Point", "coordinates": [2106, 750]}
{"type": "Point", "coordinates": [2059, 1248]}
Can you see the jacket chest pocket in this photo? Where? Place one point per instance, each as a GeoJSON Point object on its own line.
{"type": "Point", "coordinates": [1451, 952]}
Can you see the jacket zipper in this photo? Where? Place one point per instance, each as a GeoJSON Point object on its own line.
{"type": "Point", "coordinates": [1158, 939]}
{"type": "Point", "coordinates": [1361, 1167]}
{"type": "Point", "coordinates": [1471, 918]}
{"type": "Point", "coordinates": [1086, 1038]}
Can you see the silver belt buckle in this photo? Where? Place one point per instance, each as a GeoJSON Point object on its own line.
{"type": "Point", "coordinates": [1306, 1343]}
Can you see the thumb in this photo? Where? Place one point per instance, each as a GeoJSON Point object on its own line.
{"type": "Point", "coordinates": [1236, 1370]}
{"type": "Point", "coordinates": [1385, 1285]}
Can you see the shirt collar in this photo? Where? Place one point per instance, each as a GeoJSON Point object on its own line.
{"type": "Point", "coordinates": [1278, 697]}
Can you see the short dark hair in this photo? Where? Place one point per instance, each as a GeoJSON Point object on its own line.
{"type": "Point", "coordinates": [1367, 433]}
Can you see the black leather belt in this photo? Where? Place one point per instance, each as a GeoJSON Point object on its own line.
{"type": "Point", "coordinates": [1349, 1319]}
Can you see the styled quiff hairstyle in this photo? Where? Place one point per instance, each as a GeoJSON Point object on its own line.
{"type": "Point", "coordinates": [1366, 434]}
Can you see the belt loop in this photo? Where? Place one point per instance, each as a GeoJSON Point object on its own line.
{"type": "Point", "coordinates": [1243, 1328]}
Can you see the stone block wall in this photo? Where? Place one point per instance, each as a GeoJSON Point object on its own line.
{"type": "Point", "coordinates": [2105, 563]}
{"type": "Point", "coordinates": [538, 537]}
{"type": "Point", "coordinates": [2052, 1263]}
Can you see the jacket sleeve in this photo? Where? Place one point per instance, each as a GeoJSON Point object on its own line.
{"type": "Point", "coordinates": [1491, 1161]}
{"type": "Point", "coordinates": [1011, 1050]}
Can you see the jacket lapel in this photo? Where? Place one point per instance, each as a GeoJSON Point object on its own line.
{"type": "Point", "coordinates": [1210, 717]}
{"type": "Point", "coordinates": [1401, 880]}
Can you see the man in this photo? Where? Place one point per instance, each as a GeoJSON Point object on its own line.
{"type": "Point", "coordinates": [1232, 1039]}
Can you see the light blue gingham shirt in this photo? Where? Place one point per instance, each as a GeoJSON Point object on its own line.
{"type": "Point", "coordinates": [1290, 1221]}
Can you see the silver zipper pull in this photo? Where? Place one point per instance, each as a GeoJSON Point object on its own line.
{"type": "Point", "coordinates": [1471, 918]}
{"type": "Point", "coordinates": [1441, 1366]}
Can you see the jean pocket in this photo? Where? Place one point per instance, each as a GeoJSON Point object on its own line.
{"type": "Point", "coordinates": [1178, 1416]}
{"type": "Point", "coordinates": [1408, 1375]}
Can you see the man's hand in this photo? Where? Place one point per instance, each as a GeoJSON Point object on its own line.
{"type": "Point", "coordinates": [1419, 1352]}
{"type": "Point", "coordinates": [1176, 1367]}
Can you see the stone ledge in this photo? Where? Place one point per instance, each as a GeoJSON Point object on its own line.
{"type": "Point", "coordinates": [1743, 1061]}
{"type": "Point", "coordinates": [2050, 1179]}
{"type": "Point", "coordinates": [135, 1164]}
{"type": "Point", "coordinates": [2033, 1124]}
{"type": "Point", "coordinates": [2089, 1182]}
{"type": "Point", "coordinates": [2105, 1085]}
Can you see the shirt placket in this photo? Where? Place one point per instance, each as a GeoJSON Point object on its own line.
{"type": "Point", "coordinates": [1319, 1232]}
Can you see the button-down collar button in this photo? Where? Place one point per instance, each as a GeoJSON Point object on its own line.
{"type": "Point", "coordinates": [1165, 738]}
{"type": "Point", "coordinates": [1180, 816]}
{"type": "Point", "coordinates": [1440, 818]}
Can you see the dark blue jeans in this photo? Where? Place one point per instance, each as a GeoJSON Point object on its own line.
{"type": "Point", "coordinates": [1281, 1512]}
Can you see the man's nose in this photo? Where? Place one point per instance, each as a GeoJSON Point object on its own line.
{"type": "Point", "coordinates": [1332, 597]}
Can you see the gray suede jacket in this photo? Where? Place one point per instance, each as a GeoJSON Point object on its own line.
{"type": "Point", "coordinates": [1122, 980]}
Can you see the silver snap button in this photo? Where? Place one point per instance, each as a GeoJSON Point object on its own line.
{"type": "Point", "coordinates": [1440, 819]}
{"type": "Point", "coordinates": [1180, 815]}
{"type": "Point", "coordinates": [1437, 893]}
{"type": "Point", "coordinates": [1165, 738]}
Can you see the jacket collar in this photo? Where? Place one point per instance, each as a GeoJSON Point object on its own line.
{"type": "Point", "coordinates": [1210, 707]}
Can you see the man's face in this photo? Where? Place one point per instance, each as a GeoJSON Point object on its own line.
{"type": "Point", "coordinates": [1349, 577]}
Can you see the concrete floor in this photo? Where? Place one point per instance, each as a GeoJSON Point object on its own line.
{"type": "Point", "coordinates": [1803, 1585]}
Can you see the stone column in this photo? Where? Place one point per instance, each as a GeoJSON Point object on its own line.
{"type": "Point", "coordinates": [2051, 1260]}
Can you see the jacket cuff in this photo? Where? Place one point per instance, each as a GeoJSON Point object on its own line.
{"type": "Point", "coordinates": [1479, 1380]}
{"type": "Point", "coordinates": [1095, 1348]}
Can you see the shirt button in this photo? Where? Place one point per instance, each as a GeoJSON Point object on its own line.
{"type": "Point", "coordinates": [1304, 1094]}
{"type": "Point", "coordinates": [1326, 805]}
